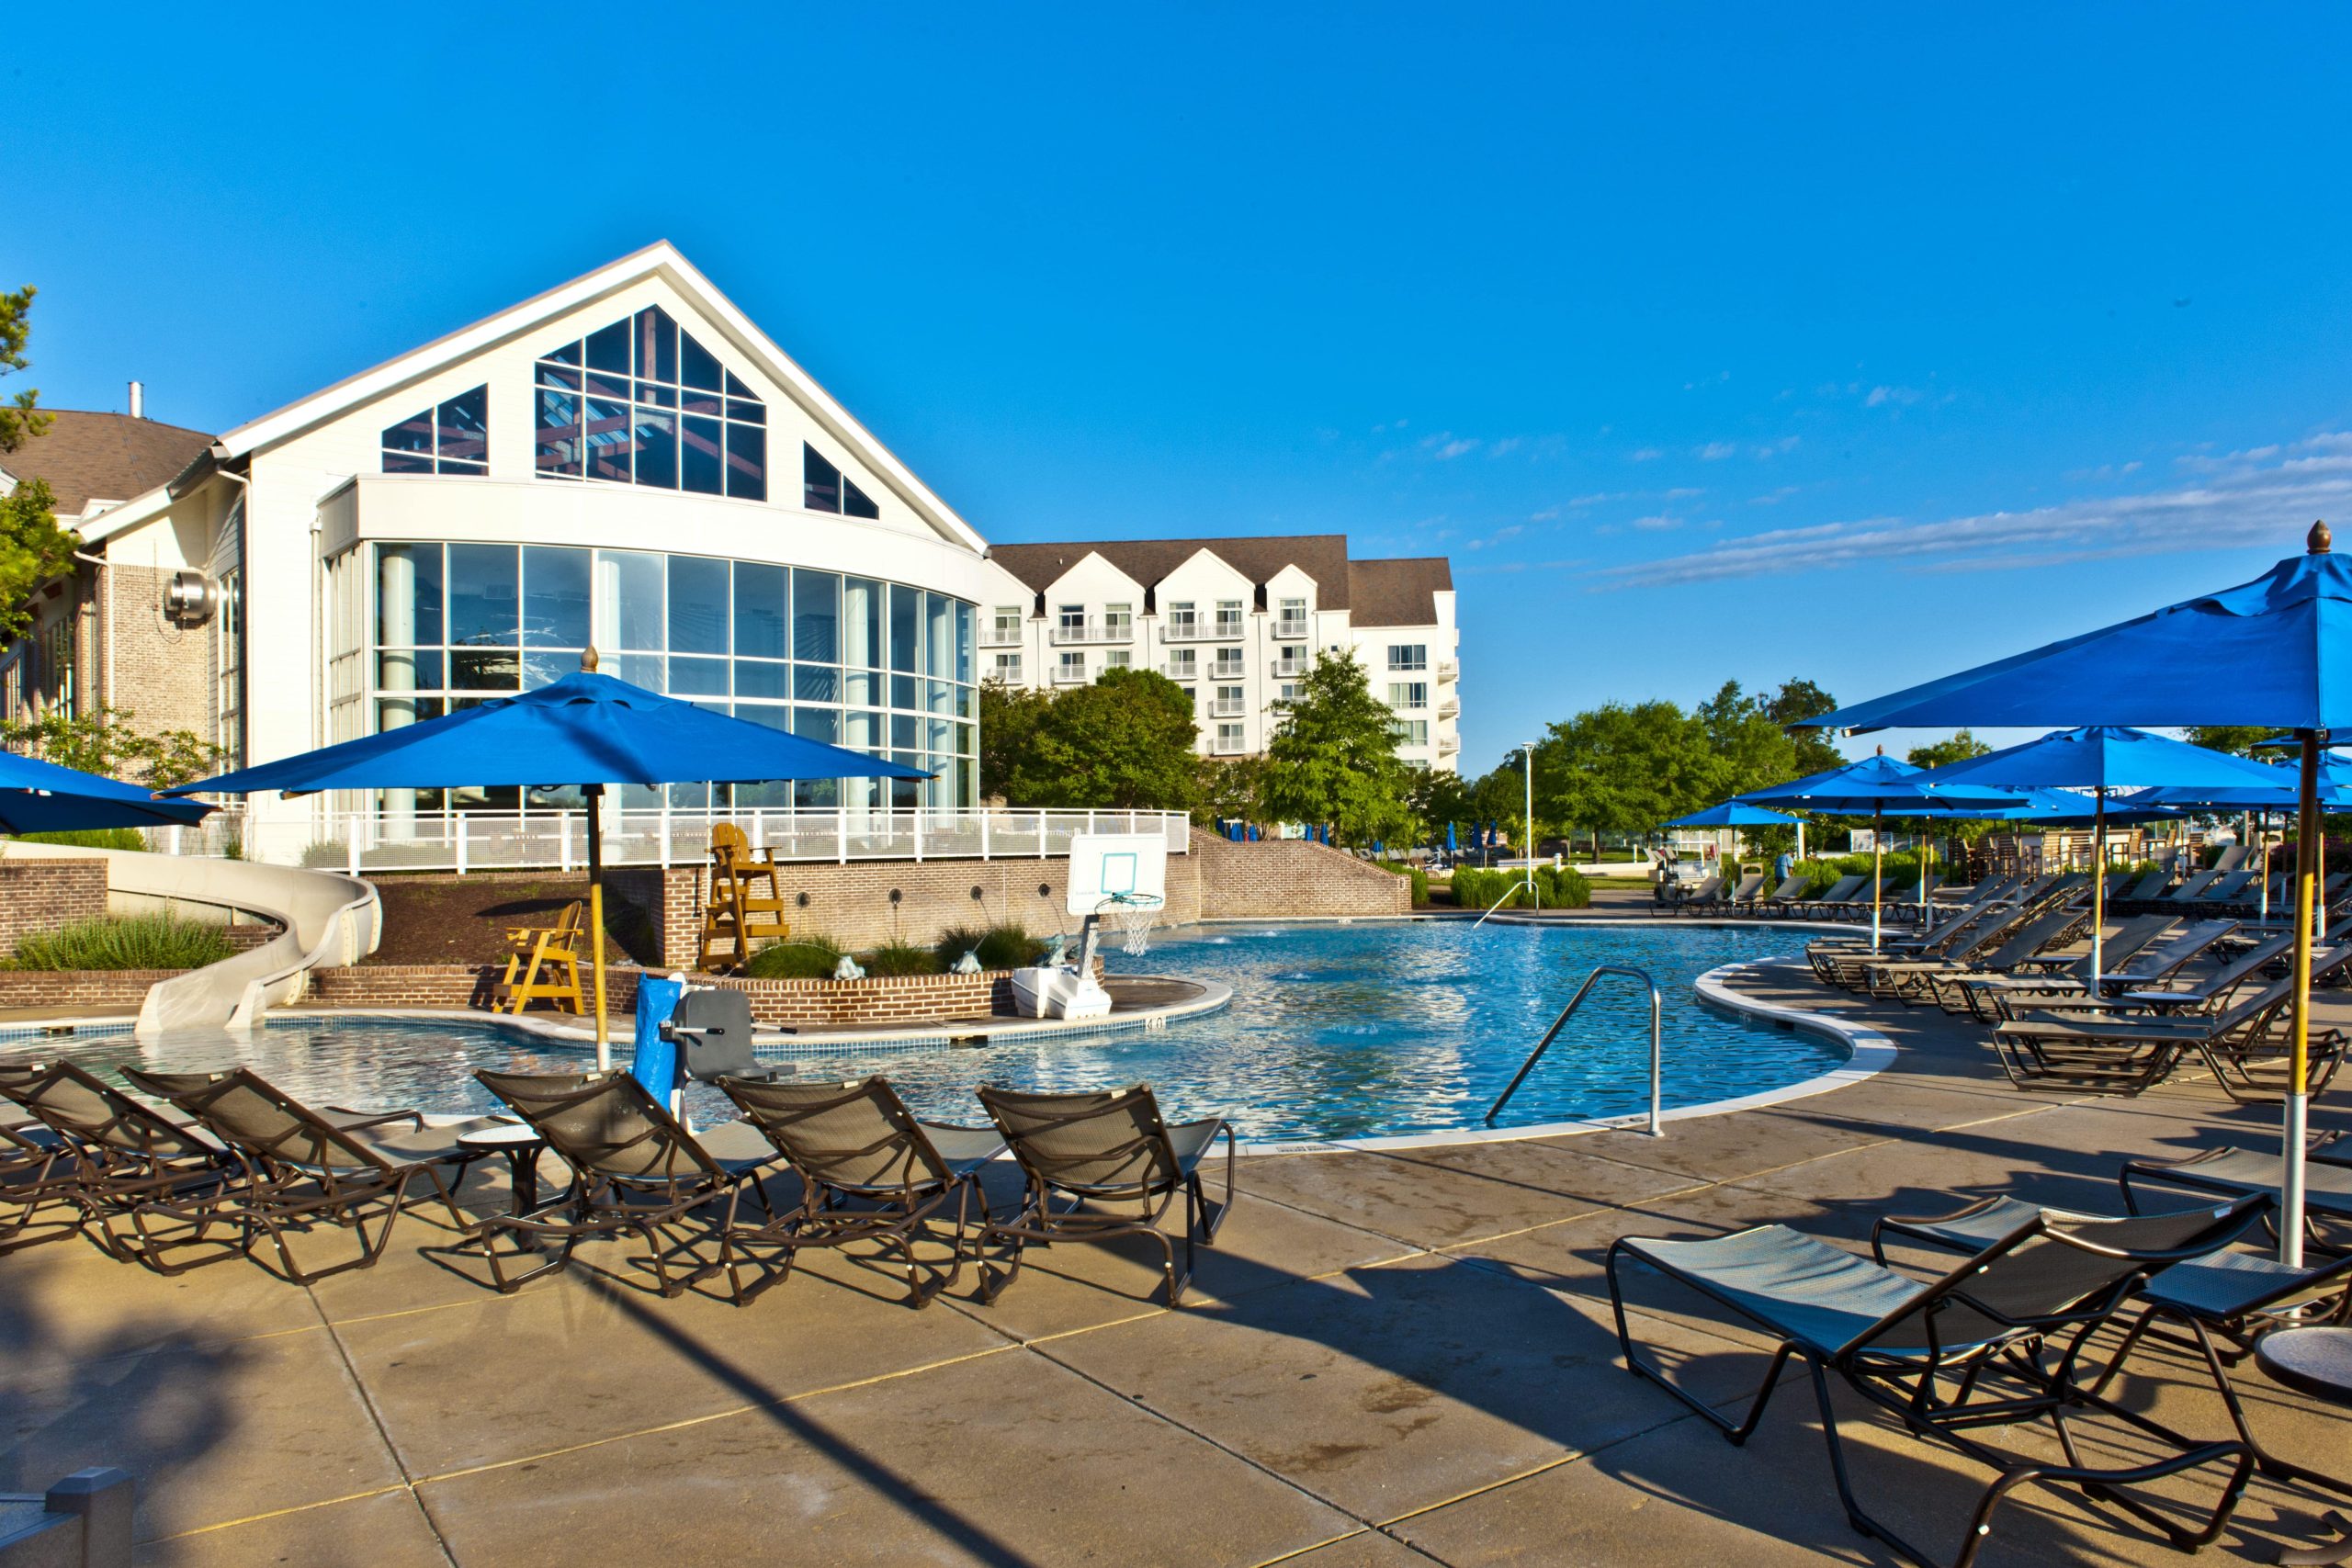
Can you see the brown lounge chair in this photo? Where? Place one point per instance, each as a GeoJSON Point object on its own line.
{"type": "Point", "coordinates": [636, 1170]}
{"type": "Point", "coordinates": [870, 1170]}
{"type": "Point", "coordinates": [109, 1153]}
{"type": "Point", "coordinates": [300, 1166]}
{"type": "Point", "coordinates": [1100, 1149]}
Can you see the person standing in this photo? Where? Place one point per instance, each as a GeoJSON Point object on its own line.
{"type": "Point", "coordinates": [1782, 866]}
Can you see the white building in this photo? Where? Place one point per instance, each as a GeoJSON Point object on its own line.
{"type": "Point", "coordinates": [625, 461]}
{"type": "Point", "coordinates": [1236, 622]}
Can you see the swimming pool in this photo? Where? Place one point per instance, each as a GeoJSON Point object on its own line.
{"type": "Point", "coordinates": [1334, 1032]}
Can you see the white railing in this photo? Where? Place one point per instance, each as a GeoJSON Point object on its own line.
{"type": "Point", "coordinates": [1447, 743]}
{"type": "Point", "coordinates": [1291, 669]}
{"type": "Point", "coordinates": [1198, 631]}
{"type": "Point", "coordinates": [1094, 632]}
{"type": "Point", "coordinates": [1071, 675]}
{"type": "Point", "coordinates": [1228, 707]}
{"type": "Point", "coordinates": [1176, 671]}
{"type": "Point", "coordinates": [999, 637]}
{"type": "Point", "coordinates": [360, 841]}
{"type": "Point", "coordinates": [1447, 670]}
{"type": "Point", "coordinates": [1290, 631]}
{"type": "Point", "coordinates": [1450, 708]}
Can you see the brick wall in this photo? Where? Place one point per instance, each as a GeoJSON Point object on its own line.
{"type": "Point", "coordinates": [114, 990]}
{"type": "Point", "coordinates": [42, 896]}
{"type": "Point", "coordinates": [1290, 876]}
{"type": "Point", "coordinates": [162, 673]}
{"type": "Point", "coordinates": [912, 998]}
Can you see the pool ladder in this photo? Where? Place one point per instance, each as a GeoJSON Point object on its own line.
{"type": "Point", "coordinates": [1655, 1130]}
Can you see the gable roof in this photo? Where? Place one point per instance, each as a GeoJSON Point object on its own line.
{"type": "Point", "coordinates": [1323, 557]}
{"type": "Point", "coordinates": [1400, 593]}
{"type": "Point", "coordinates": [86, 456]}
{"type": "Point", "coordinates": [715, 308]}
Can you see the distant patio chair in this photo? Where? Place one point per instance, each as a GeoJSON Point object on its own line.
{"type": "Point", "coordinates": [1942, 1357]}
{"type": "Point", "coordinates": [870, 1170]}
{"type": "Point", "coordinates": [1098, 1150]}
{"type": "Point", "coordinates": [302, 1168]}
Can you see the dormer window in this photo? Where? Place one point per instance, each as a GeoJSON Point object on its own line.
{"type": "Point", "coordinates": [825, 488]}
{"type": "Point", "coordinates": [642, 402]}
{"type": "Point", "coordinates": [448, 438]}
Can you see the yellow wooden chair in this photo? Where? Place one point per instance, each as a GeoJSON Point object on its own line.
{"type": "Point", "coordinates": [544, 964]}
{"type": "Point", "coordinates": [745, 903]}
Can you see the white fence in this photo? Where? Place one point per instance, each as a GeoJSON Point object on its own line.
{"type": "Point", "coordinates": [362, 841]}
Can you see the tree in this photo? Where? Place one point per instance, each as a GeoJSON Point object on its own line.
{"type": "Point", "coordinates": [1936, 753]}
{"type": "Point", "coordinates": [1122, 744]}
{"type": "Point", "coordinates": [1625, 769]}
{"type": "Point", "coordinates": [105, 743]}
{"type": "Point", "coordinates": [1231, 789]}
{"type": "Point", "coordinates": [1793, 703]}
{"type": "Point", "coordinates": [2238, 739]}
{"type": "Point", "coordinates": [20, 416]}
{"type": "Point", "coordinates": [1334, 761]}
{"type": "Point", "coordinates": [33, 548]}
{"type": "Point", "coordinates": [1752, 743]}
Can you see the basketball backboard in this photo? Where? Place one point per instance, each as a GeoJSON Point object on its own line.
{"type": "Point", "coordinates": [1102, 864]}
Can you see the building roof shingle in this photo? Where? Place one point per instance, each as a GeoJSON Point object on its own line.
{"type": "Point", "coordinates": [87, 457]}
{"type": "Point", "coordinates": [1323, 557]}
{"type": "Point", "coordinates": [1397, 592]}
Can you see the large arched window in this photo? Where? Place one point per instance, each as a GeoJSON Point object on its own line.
{"type": "Point", "coordinates": [642, 402]}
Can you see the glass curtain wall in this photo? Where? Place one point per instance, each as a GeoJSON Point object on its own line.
{"type": "Point", "coordinates": [877, 667]}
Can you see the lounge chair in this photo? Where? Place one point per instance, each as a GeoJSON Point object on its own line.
{"type": "Point", "coordinates": [2019, 1308]}
{"type": "Point", "coordinates": [2147, 888]}
{"type": "Point", "coordinates": [2227, 1295]}
{"type": "Point", "coordinates": [1832, 901]}
{"type": "Point", "coordinates": [2228, 891]}
{"type": "Point", "coordinates": [1099, 1149]}
{"type": "Point", "coordinates": [2230, 1172]}
{"type": "Point", "coordinates": [2015, 997]}
{"type": "Point", "coordinates": [1744, 896]}
{"type": "Point", "coordinates": [113, 1153]}
{"type": "Point", "coordinates": [1845, 961]}
{"type": "Point", "coordinates": [870, 1171]}
{"type": "Point", "coordinates": [636, 1172]}
{"type": "Point", "coordinates": [2231, 857]}
{"type": "Point", "coordinates": [2050, 927]}
{"type": "Point", "coordinates": [1780, 898]}
{"type": "Point", "coordinates": [1708, 890]}
{"type": "Point", "coordinates": [2122, 1053]}
{"type": "Point", "coordinates": [2065, 972]}
{"type": "Point", "coordinates": [2190, 891]}
{"type": "Point", "coordinates": [300, 1168]}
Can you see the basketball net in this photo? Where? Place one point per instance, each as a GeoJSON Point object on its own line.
{"type": "Point", "coordinates": [1133, 915]}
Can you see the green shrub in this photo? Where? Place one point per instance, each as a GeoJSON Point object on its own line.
{"type": "Point", "coordinates": [810, 957]}
{"type": "Point", "coordinates": [999, 947]}
{"type": "Point", "coordinates": [126, 941]}
{"type": "Point", "coordinates": [90, 839]}
{"type": "Point", "coordinates": [324, 855]}
{"type": "Point", "coordinates": [894, 958]}
{"type": "Point", "coordinates": [1556, 887]}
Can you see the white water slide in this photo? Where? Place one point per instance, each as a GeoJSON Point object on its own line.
{"type": "Point", "coordinates": [330, 921]}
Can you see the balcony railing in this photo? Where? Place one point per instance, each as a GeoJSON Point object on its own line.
{"type": "Point", "coordinates": [1451, 708]}
{"type": "Point", "coordinates": [1201, 631]}
{"type": "Point", "coordinates": [1228, 746]}
{"type": "Point", "coordinates": [994, 636]}
{"type": "Point", "coordinates": [1447, 670]}
{"type": "Point", "coordinates": [1071, 675]}
{"type": "Point", "coordinates": [1291, 669]}
{"type": "Point", "coordinates": [1226, 670]}
{"type": "Point", "coordinates": [1228, 707]}
{"type": "Point", "coordinates": [1009, 673]}
{"type": "Point", "coordinates": [1288, 630]}
{"type": "Point", "coordinates": [1176, 671]}
{"type": "Point", "coordinates": [1448, 743]}
{"type": "Point", "coordinates": [465, 841]}
{"type": "Point", "coordinates": [1093, 632]}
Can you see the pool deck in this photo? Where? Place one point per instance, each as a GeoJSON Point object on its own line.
{"type": "Point", "coordinates": [1393, 1357]}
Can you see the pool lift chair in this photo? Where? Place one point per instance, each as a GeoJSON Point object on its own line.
{"type": "Point", "coordinates": [1993, 1343]}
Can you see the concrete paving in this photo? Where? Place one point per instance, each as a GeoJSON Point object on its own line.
{"type": "Point", "coordinates": [1391, 1358]}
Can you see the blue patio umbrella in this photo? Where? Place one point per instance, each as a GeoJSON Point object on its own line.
{"type": "Point", "coordinates": [1873, 787]}
{"type": "Point", "coordinates": [2335, 794]}
{"type": "Point", "coordinates": [1450, 845]}
{"type": "Point", "coordinates": [2100, 758]}
{"type": "Point", "coordinates": [586, 729]}
{"type": "Point", "coordinates": [1732, 813]}
{"type": "Point", "coordinates": [42, 797]}
{"type": "Point", "coordinates": [2276, 653]}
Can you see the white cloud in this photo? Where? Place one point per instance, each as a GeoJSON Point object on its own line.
{"type": "Point", "coordinates": [1445, 445]}
{"type": "Point", "coordinates": [1774, 448]}
{"type": "Point", "coordinates": [1717, 451]}
{"type": "Point", "coordinates": [1509, 444]}
{"type": "Point", "coordinates": [1647, 454]}
{"type": "Point", "coordinates": [1599, 496]}
{"type": "Point", "coordinates": [1656, 523]}
{"type": "Point", "coordinates": [1684, 493]}
{"type": "Point", "coordinates": [1548, 514]}
{"type": "Point", "coordinates": [2261, 496]}
{"type": "Point", "coordinates": [1880, 397]}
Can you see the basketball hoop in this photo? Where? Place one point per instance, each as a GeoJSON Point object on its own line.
{"type": "Point", "coordinates": [1133, 915]}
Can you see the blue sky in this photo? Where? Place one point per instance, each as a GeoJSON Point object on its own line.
{"type": "Point", "coordinates": [1838, 343]}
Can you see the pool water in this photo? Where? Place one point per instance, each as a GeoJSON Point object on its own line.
{"type": "Point", "coordinates": [1334, 1032]}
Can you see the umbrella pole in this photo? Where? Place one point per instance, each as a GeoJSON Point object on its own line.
{"type": "Point", "coordinates": [2298, 1106]}
{"type": "Point", "coordinates": [595, 794]}
{"type": "Point", "coordinates": [1878, 866]}
{"type": "Point", "coordinates": [2098, 888]}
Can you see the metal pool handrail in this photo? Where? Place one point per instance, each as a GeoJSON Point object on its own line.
{"type": "Point", "coordinates": [1657, 1057]}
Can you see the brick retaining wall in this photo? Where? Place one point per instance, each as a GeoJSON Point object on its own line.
{"type": "Point", "coordinates": [38, 897]}
{"type": "Point", "coordinates": [72, 990]}
{"type": "Point", "coordinates": [1275, 877]}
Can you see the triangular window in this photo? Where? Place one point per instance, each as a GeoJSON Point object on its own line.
{"type": "Point", "coordinates": [448, 438]}
{"type": "Point", "coordinates": [642, 402]}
